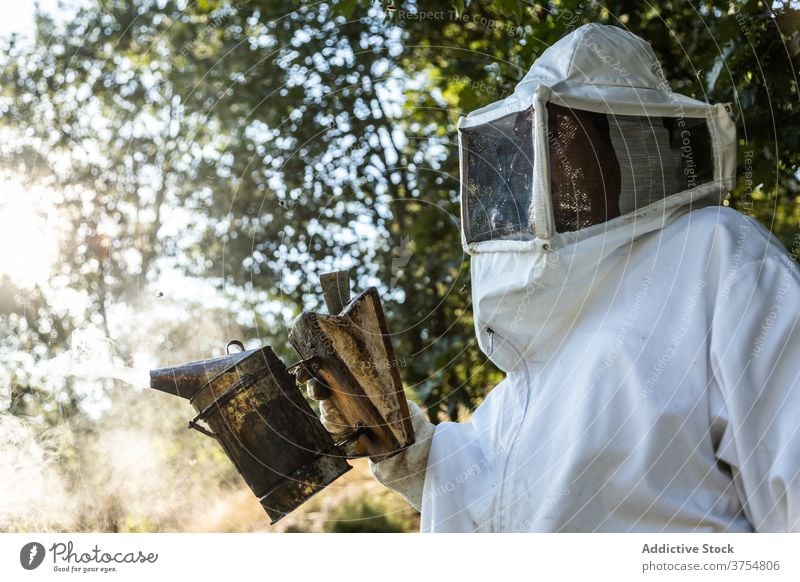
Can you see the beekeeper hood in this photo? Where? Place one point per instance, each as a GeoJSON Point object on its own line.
{"type": "Point", "coordinates": [591, 151]}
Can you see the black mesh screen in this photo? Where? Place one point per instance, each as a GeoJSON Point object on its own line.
{"type": "Point", "coordinates": [584, 171]}
{"type": "Point", "coordinates": [498, 178]}
{"type": "Point", "coordinates": [602, 166]}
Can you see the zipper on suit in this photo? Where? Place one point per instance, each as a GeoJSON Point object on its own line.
{"type": "Point", "coordinates": [496, 341]}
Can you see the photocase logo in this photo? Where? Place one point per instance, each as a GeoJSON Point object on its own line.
{"type": "Point", "coordinates": [400, 260]}
{"type": "Point", "coordinates": [31, 555]}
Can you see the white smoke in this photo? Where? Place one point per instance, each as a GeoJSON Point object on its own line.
{"type": "Point", "coordinates": [130, 464]}
{"type": "Point", "coordinates": [33, 495]}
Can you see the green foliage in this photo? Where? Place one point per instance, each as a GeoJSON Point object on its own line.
{"type": "Point", "coordinates": [257, 144]}
{"type": "Point", "coordinates": [364, 516]}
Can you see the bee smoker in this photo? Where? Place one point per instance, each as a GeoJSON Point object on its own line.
{"type": "Point", "coordinates": [250, 404]}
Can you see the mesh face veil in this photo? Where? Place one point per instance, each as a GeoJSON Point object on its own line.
{"type": "Point", "coordinates": [499, 178]}
{"type": "Point", "coordinates": [576, 146]}
{"type": "Point", "coordinates": [600, 166]}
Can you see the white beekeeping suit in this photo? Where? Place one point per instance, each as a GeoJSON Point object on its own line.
{"type": "Point", "coordinates": [649, 336]}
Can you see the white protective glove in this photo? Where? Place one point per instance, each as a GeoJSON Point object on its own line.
{"type": "Point", "coordinates": [405, 471]}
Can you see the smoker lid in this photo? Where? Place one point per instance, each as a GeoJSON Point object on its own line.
{"type": "Point", "coordinates": [186, 379]}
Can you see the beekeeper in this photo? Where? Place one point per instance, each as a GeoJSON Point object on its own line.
{"type": "Point", "coordinates": [649, 335]}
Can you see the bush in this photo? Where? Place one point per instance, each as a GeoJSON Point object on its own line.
{"type": "Point", "coordinates": [364, 516]}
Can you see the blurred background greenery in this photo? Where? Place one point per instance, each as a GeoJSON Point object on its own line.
{"type": "Point", "coordinates": [175, 174]}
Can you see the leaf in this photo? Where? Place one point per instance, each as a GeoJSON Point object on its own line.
{"type": "Point", "coordinates": [345, 7]}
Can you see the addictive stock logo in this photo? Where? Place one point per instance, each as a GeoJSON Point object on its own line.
{"type": "Point", "coordinates": [31, 555]}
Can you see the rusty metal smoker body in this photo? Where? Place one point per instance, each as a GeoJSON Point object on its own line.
{"type": "Point", "coordinates": [250, 404]}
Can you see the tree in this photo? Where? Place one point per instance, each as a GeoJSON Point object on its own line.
{"type": "Point", "coordinates": [257, 144]}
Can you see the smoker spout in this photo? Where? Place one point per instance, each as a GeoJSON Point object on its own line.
{"type": "Point", "coordinates": [186, 379]}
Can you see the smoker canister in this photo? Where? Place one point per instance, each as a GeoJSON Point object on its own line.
{"type": "Point", "coordinates": [257, 414]}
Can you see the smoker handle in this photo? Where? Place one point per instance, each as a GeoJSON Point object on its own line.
{"type": "Point", "coordinates": [201, 429]}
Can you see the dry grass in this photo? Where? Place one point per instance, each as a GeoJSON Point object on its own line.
{"type": "Point", "coordinates": [354, 502]}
